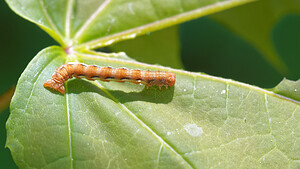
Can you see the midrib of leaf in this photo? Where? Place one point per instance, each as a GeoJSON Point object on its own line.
{"type": "Point", "coordinates": [68, 18]}
{"type": "Point", "coordinates": [229, 82]}
{"type": "Point", "coordinates": [69, 127]}
{"type": "Point", "coordinates": [160, 24]}
{"type": "Point", "coordinates": [144, 125]}
{"type": "Point", "coordinates": [91, 19]}
{"type": "Point", "coordinates": [185, 73]}
{"type": "Point", "coordinates": [49, 19]}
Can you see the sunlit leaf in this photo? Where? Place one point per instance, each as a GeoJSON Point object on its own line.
{"type": "Point", "coordinates": [202, 122]}
{"type": "Point", "coordinates": [96, 23]}
{"type": "Point", "coordinates": [289, 88]}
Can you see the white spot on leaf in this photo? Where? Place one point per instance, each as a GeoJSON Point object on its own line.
{"type": "Point", "coordinates": [193, 130]}
{"type": "Point", "coordinates": [223, 92]}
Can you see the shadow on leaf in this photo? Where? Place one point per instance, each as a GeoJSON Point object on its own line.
{"type": "Point", "coordinates": [153, 94]}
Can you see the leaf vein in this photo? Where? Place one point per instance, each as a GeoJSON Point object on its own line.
{"type": "Point", "coordinates": [181, 72]}
{"type": "Point", "coordinates": [68, 18]}
{"type": "Point", "coordinates": [54, 161]}
{"type": "Point", "coordinates": [292, 116]}
{"type": "Point", "coordinates": [69, 127]}
{"type": "Point", "coordinates": [144, 125]}
{"type": "Point", "coordinates": [225, 144]}
{"type": "Point", "coordinates": [158, 155]}
{"type": "Point", "coordinates": [226, 100]}
{"type": "Point", "coordinates": [92, 18]}
{"type": "Point", "coordinates": [49, 18]}
{"type": "Point", "coordinates": [33, 86]}
{"type": "Point", "coordinates": [268, 113]}
{"type": "Point", "coordinates": [156, 25]}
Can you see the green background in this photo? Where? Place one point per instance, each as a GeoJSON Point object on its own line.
{"type": "Point", "coordinates": [209, 47]}
{"type": "Point", "coordinates": [206, 46]}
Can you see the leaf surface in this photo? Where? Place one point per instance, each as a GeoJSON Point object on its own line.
{"type": "Point", "coordinates": [202, 122]}
{"type": "Point", "coordinates": [96, 23]}
{"type": "Point", "coordinates": [289, 88]}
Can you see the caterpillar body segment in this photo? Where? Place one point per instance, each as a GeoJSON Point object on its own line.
{"type": "Point", "coordinates": [92, 72]}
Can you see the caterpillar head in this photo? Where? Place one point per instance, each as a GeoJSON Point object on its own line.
{"type": "Point", "coordinates": [54, 85]}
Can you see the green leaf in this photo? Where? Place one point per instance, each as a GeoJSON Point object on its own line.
{"type": "Point", "coordinates": [96, 23]}
{"type": "Point", "coordinates": [161, 47]}
{"type": "Point", "coordinates": [202, 122]}
{"type": "Point", "coordinates": [289, 88]}
{"type": "Point", "coordinates": [20, 41]}
{"type": "Point", "coordinates": [255, 23]}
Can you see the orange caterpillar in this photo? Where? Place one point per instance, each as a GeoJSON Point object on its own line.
{"type": "Point", "coordinates": [92, 72]}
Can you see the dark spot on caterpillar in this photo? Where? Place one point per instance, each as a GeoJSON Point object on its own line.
{"type": "Point", "coordinates": [124, 78]}
{"type": "Point", "coordinates": [151, 80]}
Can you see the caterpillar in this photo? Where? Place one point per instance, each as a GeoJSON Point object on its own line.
{"type": "Point", "coordinates": [93, 72]}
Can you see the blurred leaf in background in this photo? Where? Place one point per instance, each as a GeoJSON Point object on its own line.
{"type": "Point", "coordinates": [6, 160]}
{"type": "Point", "coordinates": [154, 48]}
{"type": "Point", "coordinates": [218, 45]}
{"type": "Point", "coordinates": [256, 43]}
{"type": "Point", "coordinates": [219, 52]}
